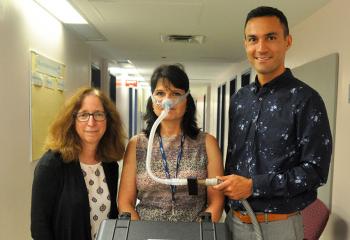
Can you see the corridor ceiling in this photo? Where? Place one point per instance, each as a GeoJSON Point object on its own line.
{"type": "Point", "coordinates": [132, 30]}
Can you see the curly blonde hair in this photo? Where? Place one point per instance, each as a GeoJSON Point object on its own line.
{"type": "Point", "coordinates": [63, 137]}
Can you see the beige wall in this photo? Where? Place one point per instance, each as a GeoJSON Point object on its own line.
{"type": "Point", "coordinates": [24, 27]}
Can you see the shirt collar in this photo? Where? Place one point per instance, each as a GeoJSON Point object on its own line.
{"type": "Point", "coordinates": [276, 82]}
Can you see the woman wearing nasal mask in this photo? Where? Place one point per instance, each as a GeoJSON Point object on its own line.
{"type": "Point", "coordinates": [180, 150]}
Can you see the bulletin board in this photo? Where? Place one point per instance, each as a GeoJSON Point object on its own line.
{"type": "Point", "coordinates": [47, 97]}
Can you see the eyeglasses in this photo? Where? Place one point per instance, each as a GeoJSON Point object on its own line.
{"type": "Point", "coordinates": [85, 116]}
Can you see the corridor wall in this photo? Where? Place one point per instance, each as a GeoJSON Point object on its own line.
{"type": "Point", "coordinates": [24, 26]}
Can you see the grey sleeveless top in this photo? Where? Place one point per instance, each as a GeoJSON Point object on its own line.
{"type": "Point", "coordinates": [155, 199]}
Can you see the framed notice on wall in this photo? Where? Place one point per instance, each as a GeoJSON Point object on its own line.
{"type": "Point", "coordinates": [47, 96]}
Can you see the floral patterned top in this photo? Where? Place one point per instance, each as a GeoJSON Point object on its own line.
{"type": "Point", "coordinates": [155, 199]}
{"type": "Point", "coordinates": [98, 193]}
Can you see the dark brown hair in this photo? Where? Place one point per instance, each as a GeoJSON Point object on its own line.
{"type": "Point", "coordinates": [265, 11]}
{"type": "Point", "coordinates": [175, 75]}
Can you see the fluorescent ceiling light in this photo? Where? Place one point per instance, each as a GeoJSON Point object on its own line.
{"type": "Point", "coordinates": [62, 10]}
{"type": "Point", "coordinates": [118, 70]}
{"type": "Point", "coordinates": [126, 63]}
{"type": "Point", "coordinates": [126, 74]}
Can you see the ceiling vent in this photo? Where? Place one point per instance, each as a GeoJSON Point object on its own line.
{"type": "Point", "coordinates": [198, 39]}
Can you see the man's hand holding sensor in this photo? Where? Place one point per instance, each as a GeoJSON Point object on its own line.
{"type": "Point", "coordinates": [235, 187]}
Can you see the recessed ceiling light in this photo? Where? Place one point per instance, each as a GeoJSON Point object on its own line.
{"type": "Point", "coordinates": [62, 10]}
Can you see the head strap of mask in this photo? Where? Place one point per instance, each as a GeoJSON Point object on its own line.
{"type": "Point", "coordinates": [169, 103]}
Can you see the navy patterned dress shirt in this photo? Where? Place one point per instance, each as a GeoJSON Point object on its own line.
{"type": "Point", "coordinates": [279, 136]}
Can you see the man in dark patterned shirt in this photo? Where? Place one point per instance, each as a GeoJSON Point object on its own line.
{"type": "Point", "coordinates": [280, 144]}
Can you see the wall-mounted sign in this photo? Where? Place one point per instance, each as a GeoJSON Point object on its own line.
{"type": "Point", "coordinates": [126, 83]}
{"type": "Point", "coordinates": [46, 72]}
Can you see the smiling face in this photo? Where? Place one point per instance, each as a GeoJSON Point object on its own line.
{"type": "Point", "coordinates": [165, 90]}
{"type": "Point", "coordinates": [90, 131]}
{"type": "Point", "coordinates": [266, 46]}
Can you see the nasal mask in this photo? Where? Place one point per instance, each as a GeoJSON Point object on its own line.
{"type": "Point", "coordinates": [167, 103]}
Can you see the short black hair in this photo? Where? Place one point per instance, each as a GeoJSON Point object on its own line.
{"type": "Point", "coordinates": [265, 11]}
{"type": "Point", "coordinates": [175, 75]}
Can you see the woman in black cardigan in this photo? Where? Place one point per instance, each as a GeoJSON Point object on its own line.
{"type": "Point", "coordinates": [75, 182]}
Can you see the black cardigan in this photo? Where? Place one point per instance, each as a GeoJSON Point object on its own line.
{"type": "Point", "coordinates": [60, 205]}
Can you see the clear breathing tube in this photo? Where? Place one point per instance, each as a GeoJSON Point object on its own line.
{"type": "Point", "coordinates": [170, 181]}
{"type": "Point", "coordinates": [166, 104]}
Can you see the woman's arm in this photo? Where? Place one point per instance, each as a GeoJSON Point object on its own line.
{"type": "Point", "coordinates": [127, 189]}
{"type": "Point", "coordinates": [214, 168]}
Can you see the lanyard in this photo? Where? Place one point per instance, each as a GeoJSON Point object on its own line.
{"type": "Point", "coordinates": [165, 163]}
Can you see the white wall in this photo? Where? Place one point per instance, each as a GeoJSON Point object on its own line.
{"type": "Point", "coordinates": [24, 27]}
{"type": "Point", "coordinates": [198, 92]}
{"type": "Point", "coordinates": [324, 33]}
{"type": "Point", "coordinates": [143, 95]}
{"type": "Point", "coordinates": [122, 103]}
{"type": "Point", "coordinates": [236, 69]}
